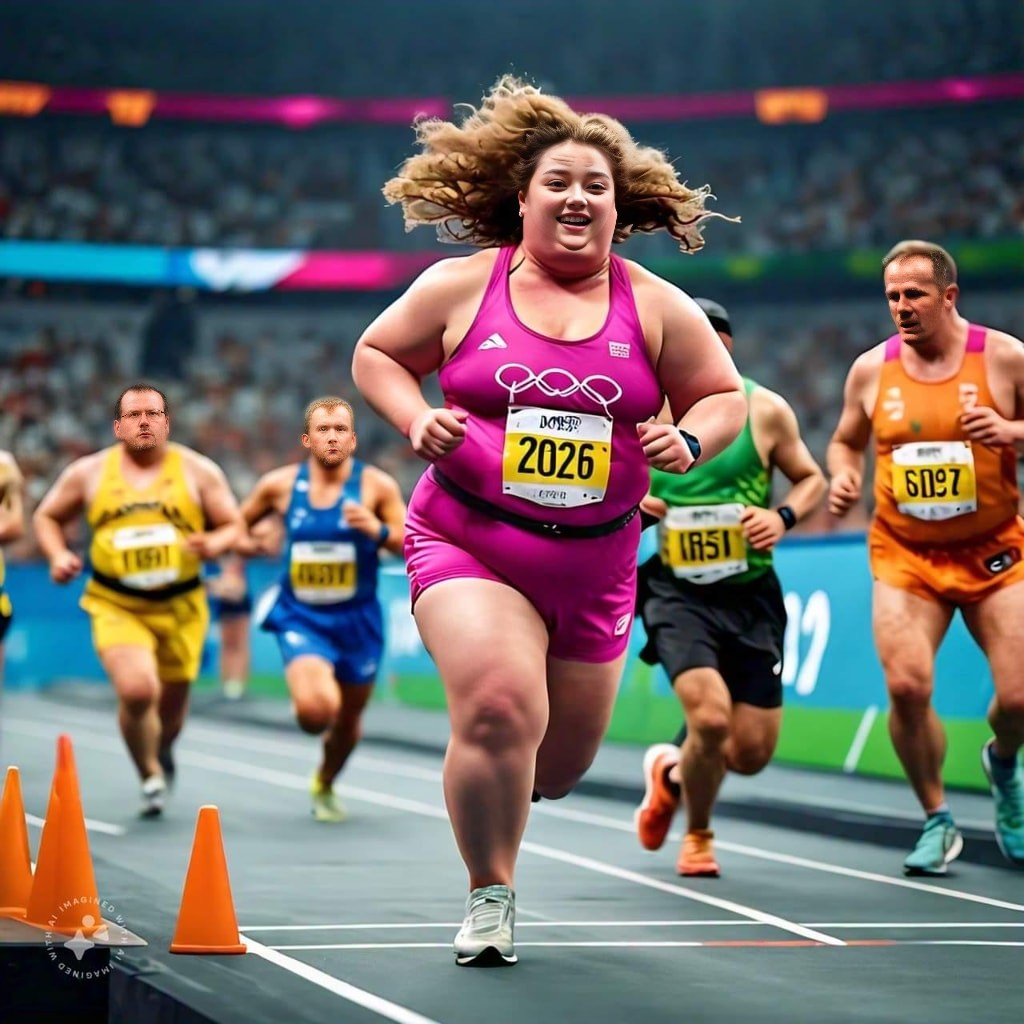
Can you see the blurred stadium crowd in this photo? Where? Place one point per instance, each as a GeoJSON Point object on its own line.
{"type": "Point", "coordinates": [238, 373]}
{"type": "Point", "coordinates": [455, 48]}
{"type": "Point", "coordinates": [853, 181]}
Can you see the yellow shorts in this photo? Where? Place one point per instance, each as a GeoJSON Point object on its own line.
{"type": "Point", "coordinates": [174, 630]}
{"type": "Point", "coordinates": [960, 573]}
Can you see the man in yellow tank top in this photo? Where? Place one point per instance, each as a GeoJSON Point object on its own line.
{"type": "Point", "coordinates": [944, 399]}
{"type": "Point", "coordinates": [12, 527]}
{"type": "Point", "coordinates": [156, 511]}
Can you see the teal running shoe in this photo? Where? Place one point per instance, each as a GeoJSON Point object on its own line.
{"type": "Point", "coordinates": [939, 843]}
{"type": "Point", "coordinates": [1009, 798]}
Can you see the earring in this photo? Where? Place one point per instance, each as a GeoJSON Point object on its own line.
{"type": "Point", "coordinates": [520, 212]}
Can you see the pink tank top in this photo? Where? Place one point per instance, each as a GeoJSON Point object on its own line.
{"type": "Point", "coordinates": [551, 432]}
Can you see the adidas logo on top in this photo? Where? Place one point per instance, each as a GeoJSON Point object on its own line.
{"type": "Point", "coordinates": [494, 341]}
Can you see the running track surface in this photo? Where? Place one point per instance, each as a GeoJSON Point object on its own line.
{"type": "Point", "coordinates": [354, 922]}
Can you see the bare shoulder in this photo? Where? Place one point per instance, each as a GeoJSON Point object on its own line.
{"type": "Point", "coordinates": [200, 464]}
{"type": "Point", "coordinates": [87, 467]}
{"type": "Point", "coordinates": [279, 480]}
{"type": "Point", "coordinates": [383, 483]}
{"type": "Point", "coordinates": [867, 365]}
{"type": "Point", "coordinates": [649, 288]}
{"type": "Point", "coordinates": [768, 404]}
{"type": "Point", "coordinates": [1005, 352]}
{"type": "Point", "coordinates": [451, 278]}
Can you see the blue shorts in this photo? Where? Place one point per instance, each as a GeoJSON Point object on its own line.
{"type": "Point", "coordinates": [349, 636]}
{"type": "Point", "coordinates": [220, 608]}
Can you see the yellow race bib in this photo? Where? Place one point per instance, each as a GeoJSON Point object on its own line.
{"type": "Point", "coordinates": [557, 459]}
{"type": "Point", "coordinates": [703, 543]}
{"type": "Point", "coordinates": [934, 480]}
{"type": "Point", "coordinates": [323, 572]}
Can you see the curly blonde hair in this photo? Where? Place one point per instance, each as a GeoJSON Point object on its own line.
{"type": "Point", "coordinates": [467, 177]}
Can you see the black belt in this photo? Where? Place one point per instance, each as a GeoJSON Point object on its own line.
{"type": "Point", "coordinates": [503, 515]}
{"type": "Point", "coordinates": [159, 594]}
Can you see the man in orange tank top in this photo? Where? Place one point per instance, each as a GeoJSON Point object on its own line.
{"type": "Point", "coordinates": [944, 399]}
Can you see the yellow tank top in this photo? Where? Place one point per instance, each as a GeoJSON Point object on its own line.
{"type": "Point", "coordinates": [137, 534]}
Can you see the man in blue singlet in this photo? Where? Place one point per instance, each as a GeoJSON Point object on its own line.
{"type": "Point", "coordinates": [339, 513]}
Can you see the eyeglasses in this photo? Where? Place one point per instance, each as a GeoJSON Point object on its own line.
{"type": "Point", "coordinates": [135, 414]}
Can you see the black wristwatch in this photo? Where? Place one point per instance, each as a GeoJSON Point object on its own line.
{"type": "Point", "coordinates": [692, 443]}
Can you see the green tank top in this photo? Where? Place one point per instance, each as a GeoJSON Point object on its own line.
{"type": "Point", "coordinates": [734, 477]}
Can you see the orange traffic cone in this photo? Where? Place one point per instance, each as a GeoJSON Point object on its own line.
{"type": "Point", "coordinates": [15, 860]}
{"type": "Point", "coordinates": [63, 897]}
{"type": "Point", "coordinates": [206, 920]}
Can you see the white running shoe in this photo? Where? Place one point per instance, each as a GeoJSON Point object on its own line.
{"type": "Point", "coordinates": [326, 806]}
{"type": "Point", "coordinates": [154, 793]}
{"type": "Point", "coordinates": [485, 938]}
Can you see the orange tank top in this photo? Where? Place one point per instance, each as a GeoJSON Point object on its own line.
{"type": "Point", "coordinates": [932, 484]}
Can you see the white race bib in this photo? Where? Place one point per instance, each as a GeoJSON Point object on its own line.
{"type": "Point", "coordinates": [703, 543]}
{"type": "Point", "coordinates": [556, 459]}
{"type": "Point", "coordinates": [934, 480]}
{"type": "Point", "coordinates": [323, 572]}
{"type": "Point", "coordinates": [150, 555]}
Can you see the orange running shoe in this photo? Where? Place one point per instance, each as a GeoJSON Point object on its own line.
{"type": "Point", "coordinates": [653, 817]}
{"type": "Point", "coordinates": [697, 857]}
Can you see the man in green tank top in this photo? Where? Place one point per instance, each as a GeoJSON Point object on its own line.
{"type": "Point", "coordinates": [713, 610]}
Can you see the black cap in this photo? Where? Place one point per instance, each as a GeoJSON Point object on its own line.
{"type": "Point", "coordinates": [717, 314]}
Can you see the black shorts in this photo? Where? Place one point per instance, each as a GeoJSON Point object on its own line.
{"type": "Point", "coordinates": [737, 629]}
{"type": "Point", "coordinates": [6, 613]}
{"type": "Point", "coordinates": [221, 608]}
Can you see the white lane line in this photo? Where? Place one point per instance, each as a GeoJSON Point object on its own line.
{"type": "Point", "coordinates": [957, 942]}
{"type": "Point", "coordinates": [350, 946]}
{"type": "Point", "coordinates": [376, 1004]}
{"type": "Point", "coordinates": [860, 739]}
{"type": "Point", "coordinates": [287, 780]}
{"type": "Point", "coordinates": [871, 926]}
{"type": "Point", "coordinates": [301, 783]}
{"type": "Point", "coordinates": [203, 733]}
{"type": "Point", "coordinates": [377, 926]}
{"type": "Point", "coordinates": [652, 944]}
{"type": "Point", "coordinates": [273, 777]}
{"type": "Point", "coordinates": [623, 874]}
{"type": "Point", "coordinates": [603, 821]}
{"type": "Point", "coordinates": [400, 926]}
{"type": "Point", "coordinates": [91, 825]}
{"type": "Point", "coordinates": [870, 876]}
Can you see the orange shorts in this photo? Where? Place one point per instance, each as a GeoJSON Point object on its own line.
{"type": "Point", "coordinates": [960, 573]}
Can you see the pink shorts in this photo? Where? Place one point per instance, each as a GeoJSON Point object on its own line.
{"type": "Point", "coordinates": [583, 588]}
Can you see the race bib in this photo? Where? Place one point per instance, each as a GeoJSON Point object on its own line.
{"type": "Point", "coordinates": [557, 459]}
{"type": "Point", "coordinates": [703, 543]}
{"type": "Point", "coordinates": [323, 572]}
{"type": "Point", "coordinates": [150, 556]}
{"type": "Point", "coordinates": [934, 480]}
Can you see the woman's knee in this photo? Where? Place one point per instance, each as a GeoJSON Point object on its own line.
{"type": "Point", "coordinates": [498, 720]}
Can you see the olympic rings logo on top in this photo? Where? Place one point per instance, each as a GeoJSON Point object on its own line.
{"type": "Point", "coordinates": [547, 382]}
